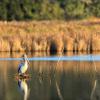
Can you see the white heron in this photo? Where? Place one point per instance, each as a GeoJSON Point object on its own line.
{"type": "Point", "coordinates": [23, 66]}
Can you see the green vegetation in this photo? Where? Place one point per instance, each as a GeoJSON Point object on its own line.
{"type": "Point", "coordinates": [48, 9]}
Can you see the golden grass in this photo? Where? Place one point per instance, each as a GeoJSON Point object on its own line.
{"type": "Point", "coordinates": [50, 27]}
{"type": "Point", "coordinates": [81, 33]}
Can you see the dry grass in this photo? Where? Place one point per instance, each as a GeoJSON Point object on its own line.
{"type": "Point", "coordinates": [82, 33]}
{"type": "Point", "coordinates": [31, 28]}
{"type": "Point", "coordinates": [50, 27]}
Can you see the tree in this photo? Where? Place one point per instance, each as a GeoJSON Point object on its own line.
{"type": "Point", "coordinates": [14, 11]}
{"type": "Point", "coordinates": [74, 9]}
{"type": "Point", "coordinates": [57, 11]}
{"type": "Point", "coordinates": [36, 8]}
{"type": "Point", "coordinates": [3, 10]}
{"type": "Point", "coordinates": [48, 9]}
{"type": "Point", "coordinates": [26, 6]}
{"type": "Point", "coordinates": [95, 6]}
{"type": "Point", "coordinates": [51, 10]}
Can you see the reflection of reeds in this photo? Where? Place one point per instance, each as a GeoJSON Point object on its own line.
{"type": "Point", "coordinates": [59, 92]}
{"type": "Point", "coordinates": [93, 90]}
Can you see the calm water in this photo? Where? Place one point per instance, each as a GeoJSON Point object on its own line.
{"type": "Point", "coordinates": [71, 78]}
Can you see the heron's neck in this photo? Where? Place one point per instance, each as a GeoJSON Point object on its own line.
{"type": "Point", "coordinates": [26, 62]}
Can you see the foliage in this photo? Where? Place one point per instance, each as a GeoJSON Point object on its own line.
{"type": "Point", "coordinates": [48, 9]}
{"type": "Point", "coordinates": [74, 9]}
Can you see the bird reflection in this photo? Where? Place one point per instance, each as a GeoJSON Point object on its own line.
{"type": "Point", "coordinates": [23, 86]}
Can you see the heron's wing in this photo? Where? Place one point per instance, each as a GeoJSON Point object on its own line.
{"type": "Point", "coordinates": [20, 65]}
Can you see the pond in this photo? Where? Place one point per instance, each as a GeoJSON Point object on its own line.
{"type": "Point", "coordinates": [57, 77]}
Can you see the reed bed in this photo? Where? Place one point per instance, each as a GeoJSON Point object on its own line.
{"type": "Point", "coordinates": [54, 35]}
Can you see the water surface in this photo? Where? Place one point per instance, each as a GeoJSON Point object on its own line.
{"type": "Point", "coordinates": [70, 78]}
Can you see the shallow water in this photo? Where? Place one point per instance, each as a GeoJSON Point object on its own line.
{"type": "Point", "coordinates": [51, 79]}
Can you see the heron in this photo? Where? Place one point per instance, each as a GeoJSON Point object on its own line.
{"type": "Point", "coordinates": [23, 66]}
